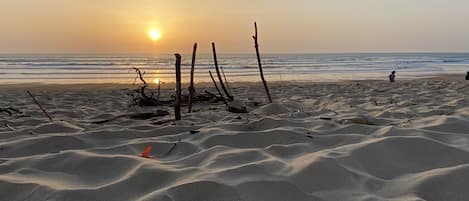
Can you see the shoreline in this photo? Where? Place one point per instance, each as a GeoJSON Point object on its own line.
{"type": "Point", "coordinates": [104, 86]}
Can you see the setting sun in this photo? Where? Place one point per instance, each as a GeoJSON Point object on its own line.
{"type": "Point", "coordinates": [154, 34]}
{"type": "Point", "coordinates": [156, 81]}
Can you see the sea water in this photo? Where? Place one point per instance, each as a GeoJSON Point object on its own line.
{"type": "Point", "coordinates": [114, 68]}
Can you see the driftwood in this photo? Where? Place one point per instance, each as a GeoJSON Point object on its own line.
{"type": "Point", "coordinates": [177, 102]}
{"type": "Point", "coordinates": [226, 80]}
{"type": "Point", "coordinates": [140, 97]}
{"type": "Point", "coordinates": [216, 97]}
{"type": "Point", "coordinates": [10, 111]}
{"type": "Point", "coordinates": [230, 97]}
{"type": "Point", "coordinates": [172, 148]}
{"type": "Point", "coordinates": [191, 86]}
{"type": "Point", "coordinates": [237, 107]}
{"type": "Point", "coordinates": [216, 86]}
{"type": "Point", "coordinates": [40, 106]}
{"type": "Point", "coordinates": [256, 45]}
{"type": "Point", "coordinates": [135, 116]}
{"type": "Point", "coordinates": [10, 127]}
{"type": "Point", "coordinates": [165, 121]}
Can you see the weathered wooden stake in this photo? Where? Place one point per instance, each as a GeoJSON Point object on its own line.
{"type": "Point", "coordinates": [226, 81]}
{"type": "Point", "coordinates": [256, 45]}
{"type": "Point", "coordinates": [159, 91]}
{"type": "Point", "coordinates": [216, 86]}
{"type": "Point", "coordinates": [230, 97]}
{"type": "Point", "coordinates": [177, 103]}
{"type": "Point", "coordinates": [40, 106]}
{"type": "Point", "coordinates": [191, 86]}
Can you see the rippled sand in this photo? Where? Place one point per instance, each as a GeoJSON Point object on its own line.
{"type": "Point", "coordinates": [362, 140]}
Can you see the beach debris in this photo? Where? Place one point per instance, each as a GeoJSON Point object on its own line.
{"type": "Point", "coordinates": [146, 152]}
{"type": "Point", "coordinates": [177, 102]}
{"type": "Point", "coordinates": [191, 85]}
{"type": "Point", "coordinates": [10, 111]}
{"type": "Point", "coordinates": [218, 98]}
{"type": "Point", "coordinates": [136, 116]}
{"type": "Point", "coordinates": [194, 131]}
{"type": "Point", "coordinates": [237, 107]}
{"type": "Point", "coordinates": [261, 72]}
{"type": "Point", "coordinates": [223, 86]}
{"type": "Point", "coordinates": [172, 148]}
{"type": "Point", "coordinates": [221, 98]}
{"type": "Point", "coordinates": [10, 127]}
{"type": "Point", "coordinates": [40, 106]}
{"type": "Point", "coordinates": [140, 96]}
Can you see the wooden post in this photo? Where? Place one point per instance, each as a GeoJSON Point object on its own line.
{"type": "Point", "coordinates": [230, 97]}
{"type": "Point", "coordinates": [40, 106]}
{"type": "Point", "coordinates": [159, 91]}
{"type": "Point", "coordinates": [191, 86]}
{"type": "Point", "coordinates": [177, 103]}
{"type": "Point", "coordinates": [256, 45]}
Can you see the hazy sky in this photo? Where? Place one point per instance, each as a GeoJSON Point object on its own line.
{"type": "Point", "coordinates": [286, 26]}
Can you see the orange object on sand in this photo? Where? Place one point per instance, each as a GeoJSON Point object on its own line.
{"type": "Point", "coordinates": [146, 152]}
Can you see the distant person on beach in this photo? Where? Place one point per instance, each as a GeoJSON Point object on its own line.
{"type": "Point", "coordinates": [392, 77]}
{"type": "Point", "coordinates": [467, 75]}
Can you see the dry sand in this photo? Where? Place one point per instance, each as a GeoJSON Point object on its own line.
{"type": "Point", "coordinates": [362, 140]}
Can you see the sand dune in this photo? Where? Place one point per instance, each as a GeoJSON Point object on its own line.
{"type": "Point", "coordinates": [359, 141]}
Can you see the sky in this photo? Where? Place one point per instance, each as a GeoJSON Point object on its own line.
{"type": "Point", "coordinates": [285, 26]}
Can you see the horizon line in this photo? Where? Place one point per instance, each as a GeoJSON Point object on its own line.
{"type": "Point", "coordinates": [239, 53]}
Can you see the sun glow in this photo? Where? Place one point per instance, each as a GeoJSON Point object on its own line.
{"type": "Point", "coordinates": [154, 34]}
{"type": "Point", "coordinates": [156, 81]}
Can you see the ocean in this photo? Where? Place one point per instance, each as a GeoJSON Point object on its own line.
{"type": "Point", "coordinates": [114, 68]}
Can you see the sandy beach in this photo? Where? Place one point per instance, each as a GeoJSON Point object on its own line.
{"type": "Point", "coordinates": [353, 140]}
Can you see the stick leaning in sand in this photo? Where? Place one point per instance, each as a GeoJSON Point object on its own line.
{"type": "Point", "coordinates": [40, 106]}
{"type": "Point", "coordinates": [256, 45]}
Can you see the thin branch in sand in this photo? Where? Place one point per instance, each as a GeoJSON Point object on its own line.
{"type": "Point", "coordinates": [216, 97]}
{"type": "Point", "coordinates": [226, 81]}
{"type": "Point", "coordinates": [40, 106]}
{"type": "Point", "coordinates": [216, 87]}
{"type": "Point", "coordinates": [10, 127]}
{"type": "Point", "coordinates": [191, 86]}
{"type": "Point", "coordinates": [256, 45]}
{"type": "Point", "coordinates": [172, 148]}
{"type": "Point", "coordinates": [177, 103]}
{"type": "Point", "coordinates": [230, 97]}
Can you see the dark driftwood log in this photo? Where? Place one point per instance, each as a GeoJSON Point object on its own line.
{"type": "Point", "coordinates": [40, 106]}
{"type": "Point", "coordinates": [256, 45]}
{"type": "Point", "coordinates": [237, 107]}
{"type": "Point", "coordinates": [177, 102]}
{"type": "Point", "coordinates": [191, 86]}
{"type": "Point", "coordinates": [136, 116]}
{"type": "Point", "coordinates": [220, 79]}
{"type": "Point", "coordinates": [216, 97]}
